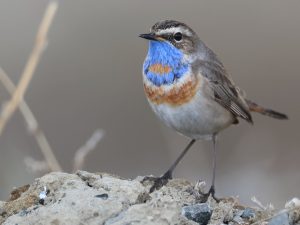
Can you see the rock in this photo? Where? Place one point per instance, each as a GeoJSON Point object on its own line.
{"type": "Point", "coordinates": [238, 220]}
{"type": "Point", "coordinates": [281, 219]}
{"type": "Point", "coordinates": [103, 196]}
{"type": "Point", "coordinates": [242, 216]}
{"type": "Point", "coordinates": [199, 213]}
{"type": "Point", "coordinates": [99, 198]}
{"type": "Point", "coordinates": [87, 198]}
{"type": "Point", "coordinates": [295, 202]}
{"type": "Point", "coordinates": [248, 213]}
{"type": "Point", "coordinates": [222, 211]}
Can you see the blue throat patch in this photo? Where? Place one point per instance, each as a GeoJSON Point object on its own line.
{"type": "Point", "coordinates": [163, 64]}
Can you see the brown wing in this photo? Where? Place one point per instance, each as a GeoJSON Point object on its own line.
{"type": "Point", "coordinates": [225, 92]}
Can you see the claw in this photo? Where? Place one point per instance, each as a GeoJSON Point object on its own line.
{"type": "Point", "coordinates": [158, 182]}
{"type": "Point", "coordinates": [211, 193]}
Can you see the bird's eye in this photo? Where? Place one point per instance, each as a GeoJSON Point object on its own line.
{"type": "Point", "coordinates": [177, 36]}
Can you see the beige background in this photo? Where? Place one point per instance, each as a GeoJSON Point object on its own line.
{"type": "Point", "coordinates": [90, 77]}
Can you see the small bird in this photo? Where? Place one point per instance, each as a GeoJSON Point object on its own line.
{"type": "Point", "coordinates": [190, 91]}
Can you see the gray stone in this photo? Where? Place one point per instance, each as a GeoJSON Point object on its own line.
{"type": "Point", "coordinates": [281, 219]}
{"type": "Point", "coordinates": [199, 213]}
{"type": "Point", "coordinates": [238, 220]}
{"type": "Point", "coordinates": [248, 213]}
{"type": "Point", "coordinates": [103, 196]}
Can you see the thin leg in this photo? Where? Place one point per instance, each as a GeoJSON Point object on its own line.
{"type": "Point", "coordinates": [214, 161]}
{"type": "Point", "coordinates": [169, 173]}
{"type": "Point", "coordinates": [161, 181]}
{"type": "Point", "coordinates": [212, 188]}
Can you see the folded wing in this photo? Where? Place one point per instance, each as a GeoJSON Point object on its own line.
{"type": "Point", "coordinates": [224, 90]}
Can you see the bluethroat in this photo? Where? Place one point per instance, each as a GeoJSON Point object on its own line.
{"type": "Point", "coordinates": [190, 91]}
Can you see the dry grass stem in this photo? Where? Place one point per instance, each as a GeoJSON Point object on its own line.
{"type": "Point", "coordinates": [40, 43]}
{"type": "Point", "coordinates": [89, 146]}
{"type": "Point", "coordinates": [269, 207]}
{"type": "Point", "coordinates": [32, 125]}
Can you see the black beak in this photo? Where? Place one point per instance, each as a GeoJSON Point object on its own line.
{"type": "Point", "coordinates": [150, 36]}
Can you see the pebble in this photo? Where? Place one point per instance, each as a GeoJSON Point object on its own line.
{"type": "Point", "coordinates": [248, 213]}
{"type": "Point", "coordinates": [103, 196]}
{"type": "Point", "coordinates": [199, 213]}
{"type": "Point", "coordinates": [281, 219]}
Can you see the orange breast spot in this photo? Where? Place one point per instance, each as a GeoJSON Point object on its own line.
{"type": "Point", "coordinates": [159, 69]}
{"type": "Point", "coordinates": [175, 96]}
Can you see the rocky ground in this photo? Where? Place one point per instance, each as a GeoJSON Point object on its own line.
{"type": "Point", "coordinates": [103, 199]}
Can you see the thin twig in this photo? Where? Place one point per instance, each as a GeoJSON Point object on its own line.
{"type": "Point", "coordinates": [258, 203]}
{"type": "Point", "coordinates": [40, 43]}
{"type": "Point", "coordinates": [83, 151]}
{"type": "Point", "coordinates": [33, 126]}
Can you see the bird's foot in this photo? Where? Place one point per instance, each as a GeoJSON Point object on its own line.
{"type": "Point", "coordinates": [158, 182]}
{"type": "Point", "coordinates": [211, 193]}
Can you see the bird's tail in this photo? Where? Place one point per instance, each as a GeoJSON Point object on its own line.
{"type": "Point", "coordinates": [268, 112]}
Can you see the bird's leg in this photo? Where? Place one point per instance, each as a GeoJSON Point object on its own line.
{"type": "Point", "coordinates": [212, 190]}
{"type": "Point", "coordinates": [163, 180]}
{"type": "Point", "coordinates": [169, 172]}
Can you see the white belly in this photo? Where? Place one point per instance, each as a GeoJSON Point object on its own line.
{"type": "Point", "coordinates": [198, 119]}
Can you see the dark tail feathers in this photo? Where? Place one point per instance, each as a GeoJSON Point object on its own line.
{"type": "Point", "coordinates": [268, 112]}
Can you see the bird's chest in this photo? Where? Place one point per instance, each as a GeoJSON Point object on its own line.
{"type": "Point", "coordinates": [177, 94]}
{"type": "Point", "coordinates": [186, 111]}
{"type": "Point", "coordinates": [175, 104]}
{"type": "Point", "coordinates": [167, 77]}
{"type": "Point", "coordinates": [188, 108]}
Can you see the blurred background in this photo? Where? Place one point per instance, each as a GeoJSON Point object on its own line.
{"type": "Point", "coordinates": [90, 78]}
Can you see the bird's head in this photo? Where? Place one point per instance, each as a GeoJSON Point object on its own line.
{"type": "Point", "coordinates": [174, 33]}
{"type": "Point", "coordinates": [172, 46]}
